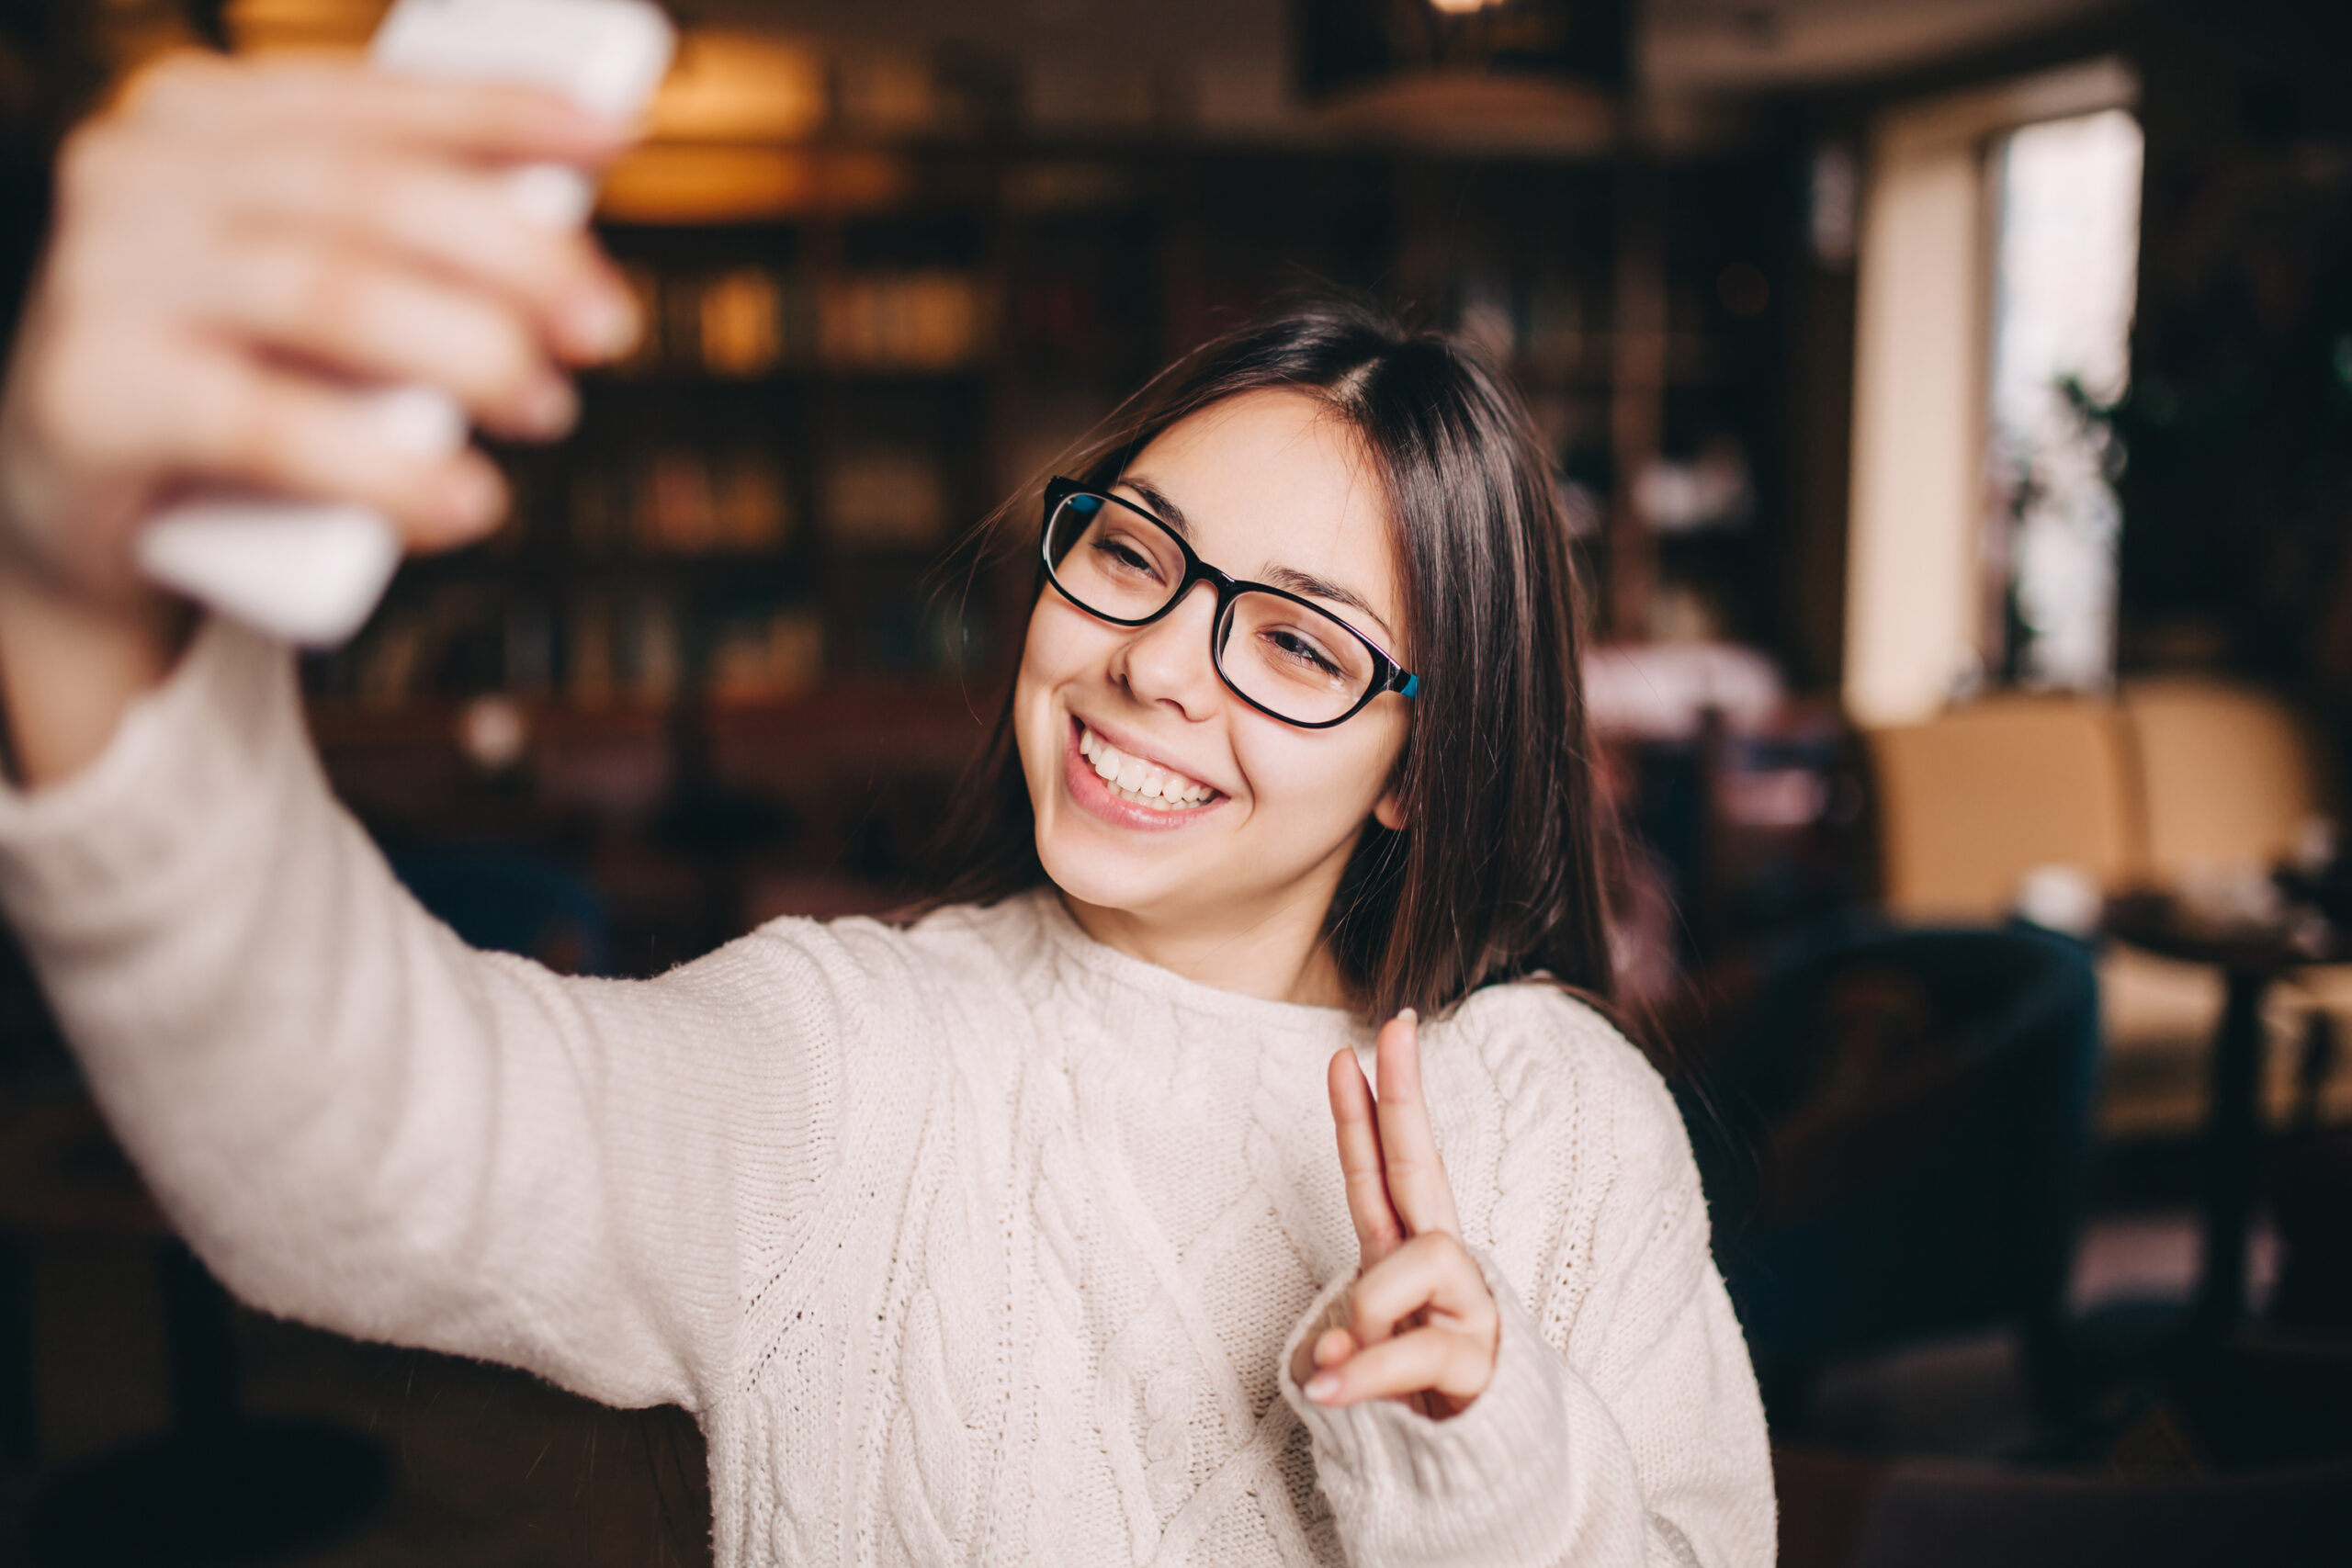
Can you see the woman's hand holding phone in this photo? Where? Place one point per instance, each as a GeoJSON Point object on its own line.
{"type": "Point", "coordinates": [240, 249]}
{"type": "Point", "coordinates": [1418, 1325]}
{"type": "Point", "coordinates": [241, 252]}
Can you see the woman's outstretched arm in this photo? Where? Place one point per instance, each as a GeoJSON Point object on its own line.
{"type": "Point", "coordinates": [356, 1119]}
{"type": "Point", "coordinates": [360, 1122]}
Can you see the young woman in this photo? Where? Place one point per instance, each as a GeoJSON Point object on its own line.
{"type": "Point", "coordinates": [1017, 1234]}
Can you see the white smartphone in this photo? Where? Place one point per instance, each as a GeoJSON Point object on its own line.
{"type": "Point", "coordinates": [309, 572]}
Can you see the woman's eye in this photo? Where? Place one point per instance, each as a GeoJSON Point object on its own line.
{"type": "Point", "coordinates": [1120, 556]}
{"type": "Point", "coordinates": [1295, 648]}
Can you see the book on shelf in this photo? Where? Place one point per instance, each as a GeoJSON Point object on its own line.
{"type": "Point", "coordinates": [628, 648]}
{"type": "Point", "coordinates": [741, 322]}
{"type": "Point", "coordinates": [681, 499]}
{"type": "Point", "coordinates": [589, 677]}
{"type": "Point", "coordinates": [530, 648]}
{"type": "Point", "coordinates": [645, 287]}
{"type": "Point", "coordinates": [646, 659]}
{"type": "Point", "coordinates": [753, 502]}
{"type": "Point", "coordinates": [675, 510]}
{"type": "Point", "coordinates": [767, 658]}
{"type": "Point", "coordinates": [886, 498]}
{"type": "Point", "coordinates": [597, 517]}
{"type": "Point", "coordinates": [747, 321]}
{"type": "Point", "coordinates": [929, 320]}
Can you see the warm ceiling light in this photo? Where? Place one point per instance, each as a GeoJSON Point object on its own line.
{"type": "Point", "coordinates": [254, 24]}
{"type": "Point", "coordinates": [707, 183]}
{"type": "Point", "coordinates": [1532, 73]}
{"type": "Point", "coordinates": [740, 87]}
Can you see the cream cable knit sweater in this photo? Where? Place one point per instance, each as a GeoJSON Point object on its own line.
{"type": "Point", "coordinates": [976, 1242]}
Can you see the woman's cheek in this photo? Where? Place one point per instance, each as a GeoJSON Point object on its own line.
{"type": "Point", "coordinates": [1305, 786]}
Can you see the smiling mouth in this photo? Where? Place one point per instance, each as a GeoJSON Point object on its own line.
{"type": "Point", "coordinates": [1140, 783]}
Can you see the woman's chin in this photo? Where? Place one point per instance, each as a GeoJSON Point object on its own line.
{"type": "Point", "coordinates": [1102, 875]}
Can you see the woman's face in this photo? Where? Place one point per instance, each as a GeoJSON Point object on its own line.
{"type": "Point", "coordinates": [1271, 488]}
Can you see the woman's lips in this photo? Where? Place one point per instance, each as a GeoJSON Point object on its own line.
{"type": "Point", "coordinates": [1095, 795]}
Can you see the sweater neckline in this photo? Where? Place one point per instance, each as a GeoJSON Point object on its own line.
{"type": "Point", "coordinates": [1138, 975]}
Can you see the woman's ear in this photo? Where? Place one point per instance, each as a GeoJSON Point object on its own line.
{"type": "Point", "coordinates": [1389, 811]}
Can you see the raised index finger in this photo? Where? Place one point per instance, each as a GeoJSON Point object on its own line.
{"type": "Point", "coordinates": [1417, 1183]}
{"type": "Point", "coordinates": [1378, 1232]}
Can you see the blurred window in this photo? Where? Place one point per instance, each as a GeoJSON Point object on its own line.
{"type": "Point", "coordinates": [2067, 196]}
{"type": "Point", "coordinates": [1989, 215]}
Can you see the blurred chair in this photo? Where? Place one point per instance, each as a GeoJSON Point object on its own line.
{"type": "Point", "coordinates": [2180, 779]}
{"type": "Point", "coordinates": [1972, 800]}
{"type": "Point", "coordinates": [2227, 776]}
{"type": "Point", "coordinates": [1893, 1142]}
{"type": "Point", "coordinates": [2230, 780]}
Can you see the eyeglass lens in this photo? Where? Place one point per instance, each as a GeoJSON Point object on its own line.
{"type": "Point", "coordinates": [1293, 661]}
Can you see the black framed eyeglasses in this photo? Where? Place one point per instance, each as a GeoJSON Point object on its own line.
{"type": "Point", "coordinates": [1285, 656]}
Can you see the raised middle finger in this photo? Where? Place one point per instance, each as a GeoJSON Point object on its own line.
{"type": "Point", "coordinates": [1417, 1182]}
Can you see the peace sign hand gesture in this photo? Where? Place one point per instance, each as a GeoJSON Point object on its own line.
{"type": "Point", "coordinates": [1420, 1325]}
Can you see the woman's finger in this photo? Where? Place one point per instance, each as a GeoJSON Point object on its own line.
{"type": "Point", "coordinates": [1431, 1278]}
{"type": "Point", "coordinates": [1327, 1348]}
{"type": "Point", "coordinates": [347, 309]}
{"type": "Point", "coordinates": [1426, 1361]}
{"type": "Point", "coordinates": [240, 421]}
{"type": "Point", "coordinates": [1378, 1232]}
{"type": "Point", "coordinates": [1417, 1189]}
{"type": "Point", "coordinates": [489, 121]}
{"type": "Point", "coordinates": [461, 220]}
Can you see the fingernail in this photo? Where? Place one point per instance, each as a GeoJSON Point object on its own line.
{"type": "Point", "coordinates": [552, 195]}
{"type": "Point", "coordinates": [473, 497]}
{"type": "Point", "coordinates": [418, 422]}
{"type": "Point", "coordinates": [598, 127]}
{"type": "Point", "coordinates": [1321, 1387]}
{"type": "Point", "coordinates": [549, 407]}
{"type": "Point", "coordinates": [1408, 1015]}
{"type": "Point", "coordinates": [604, 323]}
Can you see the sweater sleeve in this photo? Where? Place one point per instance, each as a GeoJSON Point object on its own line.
{"type": "Point", "coordinates": [356, 1119]}
{"type": "Point", "coordinates": [1621, 1424]}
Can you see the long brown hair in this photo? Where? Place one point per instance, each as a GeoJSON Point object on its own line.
{"type": "Point", "coordinates": [1497, 873]}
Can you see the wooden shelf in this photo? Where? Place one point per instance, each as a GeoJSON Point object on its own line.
{"type": "Point", "coordinates": [852, 724]}
{"type": "Point", "coordinates": [784, 381]}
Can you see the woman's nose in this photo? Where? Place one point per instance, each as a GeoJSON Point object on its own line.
{"type": "Point", "coordinates": [1168, 661]}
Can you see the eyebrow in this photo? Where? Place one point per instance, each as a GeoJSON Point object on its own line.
{"type": "Point", "coordinates": [1166, 510]}
{"type": "Point", "coordinates": [1283, 577]}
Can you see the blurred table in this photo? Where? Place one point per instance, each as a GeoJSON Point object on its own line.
{"type": "Point", "coordinates": [2251, 959]}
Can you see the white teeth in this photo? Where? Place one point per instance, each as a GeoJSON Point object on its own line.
{"type": "Point", "coordinates": [1136, 780]}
